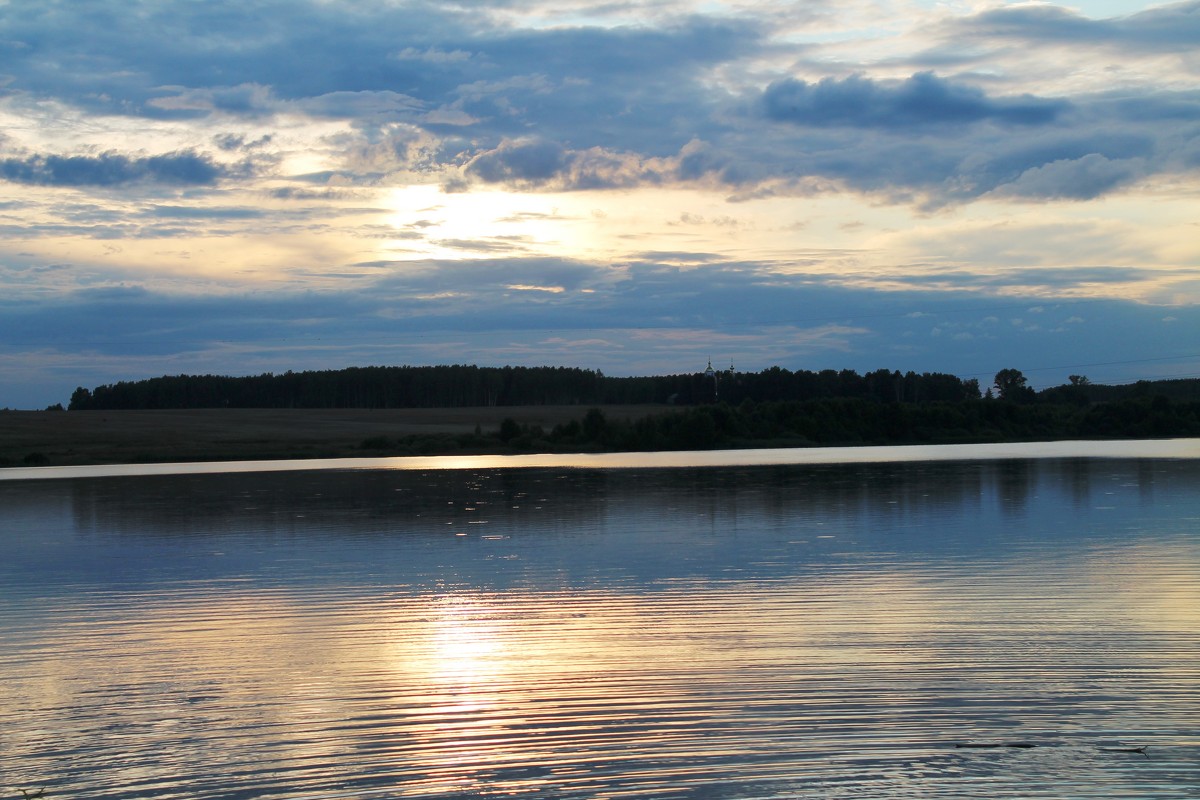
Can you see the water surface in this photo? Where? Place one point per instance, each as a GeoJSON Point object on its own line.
{"type": "Point", "coordinates": [745, 632]}
{"type": "Point", "coordinates": [670, 459]}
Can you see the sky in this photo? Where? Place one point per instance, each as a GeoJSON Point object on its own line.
{"type": "Point", "coordinates": [259, 186]}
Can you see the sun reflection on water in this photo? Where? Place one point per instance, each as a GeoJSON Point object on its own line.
{"type": "Point", "coordinates": [465, 648]}
{"type": "Point", "coordinates": [789, 638]}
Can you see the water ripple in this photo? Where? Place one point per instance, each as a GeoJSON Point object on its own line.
{"type": "Point", "coordinates": [627, 654]}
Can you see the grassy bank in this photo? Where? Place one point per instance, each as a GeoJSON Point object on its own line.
{"type": "Point", "coordinates": [34, 438]}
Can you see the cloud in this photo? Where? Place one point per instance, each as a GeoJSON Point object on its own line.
{"type": "Point", "coordinates": [529, 163]}
{"type": "Point", "coordinates": [922, 100]}
{"type": "Point", "coordinates": [378, 149]}
{"type": "Point", "coordinates": [235, 141]}
{"type": "Point", "coordinates": [1071, 167]}
{"type": "Point", "coordinates": [247, 99]}
{"type": "Point", "coordinates": [652, 318]}
{"type": "Point", "coordinates": [432, 55]}
{"type": "Point", "coordinates": [1154, 30]}
{"type": "Point", "coordinates": [291, 141]}
{"type": "Point", "coordinates": [1076, 179]}
{"type": "Point", "coordinates": [522, 161]}
{"type": "Point", "coordinates": [202, 212]}
{"type": "Point", "coordinates": [676, 257]}
{"type": "Point", "coordinates": [478, 278]}
{"type": "Point", "coordinates": [676, 99]}
{"type": "Point", "coordinates": [112, 169]}
{"type": "Point", "coordinates": [491, 245]}
{"type": "Point", "coordinates": [365, 105]}
{"type": "Point", "coordinates": [296, 193]}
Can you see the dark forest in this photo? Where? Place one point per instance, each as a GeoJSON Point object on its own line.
{"type": "Point", "coordinates": [774, 407]}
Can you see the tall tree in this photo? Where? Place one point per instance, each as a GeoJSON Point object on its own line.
{"type": "Point", "coordinates": [1010, 385]}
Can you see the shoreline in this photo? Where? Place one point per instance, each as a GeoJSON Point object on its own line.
{"type": "Point", "coordinates": [1171, 449]}
{"type": "Point", "coordinates": [342, 438]}
{"type": "Point", "coordinates": [75, 438]}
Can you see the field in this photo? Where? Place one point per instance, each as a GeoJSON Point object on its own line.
{"type": "Point", "coordinates": [116, 437]}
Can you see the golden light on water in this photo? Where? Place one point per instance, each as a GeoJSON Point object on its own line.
{"type": "Point", "coordinates": [460, 646]}
{"type": "Point", "coordinates": [512, 691]}
{"type": "Point", "coordinates": [639, 634]}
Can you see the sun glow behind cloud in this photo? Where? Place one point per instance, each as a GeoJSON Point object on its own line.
{"type": "Point", "coordinates": [581, 172]}
{"type": "Point", "coordinates": [431, 223]}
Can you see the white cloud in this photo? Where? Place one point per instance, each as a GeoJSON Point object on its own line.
{"type": "Point", "coordinates": [432, 55]}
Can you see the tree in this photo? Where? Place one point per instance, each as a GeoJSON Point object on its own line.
{"type": "Point", "coordinates": [594, 425]}
{"type": "Point", "coordinates": [509, 429]}
{"type": "Point", "coordinates": [1010, 385]}
{"type": "Point", "coordinates": [80, 398]}
{"type": "Point", "coordinates": [1079, 380]}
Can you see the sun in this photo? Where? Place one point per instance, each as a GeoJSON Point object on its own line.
{"type": "Point", "coordinates": [478, 224]}
{"type": "Point", "coordinates": [602, 226]}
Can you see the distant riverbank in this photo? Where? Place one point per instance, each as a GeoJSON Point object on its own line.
{"type": "Point", "coordinates": [79, 438]}
{"type": "Point", "coordinates": [61, 438]}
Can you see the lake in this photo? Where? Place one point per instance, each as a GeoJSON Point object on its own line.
{"type": "Point", "coordinates": [875, 628]}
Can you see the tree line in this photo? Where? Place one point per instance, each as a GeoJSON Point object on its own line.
{"type": "Point", "coordinates": [471, 386]}
{"type": "Point", "coordinates": [823, 422]}
{"type": "Point", "coordinates": [462, 386]}
{"type": "Point", "coordinates": [849, 421]}
{"type": "Point", "coordinates": [713, 409]}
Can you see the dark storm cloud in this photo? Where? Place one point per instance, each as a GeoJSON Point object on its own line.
{"type": "Point", "coordinates": [923, 99]}
{"type": "Point", "coordinates": [112, 169]}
